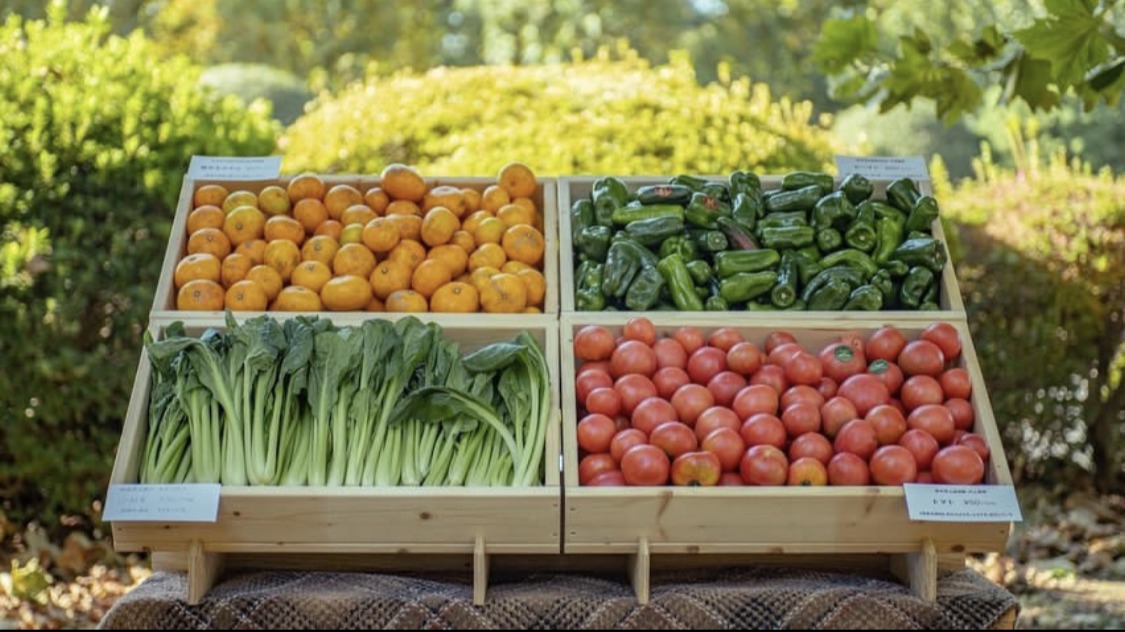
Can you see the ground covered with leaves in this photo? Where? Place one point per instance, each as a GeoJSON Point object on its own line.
{"type": "Point", "coordinates": [1065, 563]}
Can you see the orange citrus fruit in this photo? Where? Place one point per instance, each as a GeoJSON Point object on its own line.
{"type": "Point", "coordinates": [503, 294]}
{"type": "Point", "coordinates": [320, 248]}
{"type": "Point", "coordinates": [243, 224]}
{"type": "Point", "coordinates": [284, 256]}
{"type": "Point", "coordinates": [239, 198]}
{"type": "Point", "coordinates": [209, 195]}
{"type": "Point", "coordinates": [409, 252]}
{"type": "Point", "coordinates": [381, 235]}
{"type": "Point", "coordinates": [438, 226]}
{"type": "Point", "coordinates": [295, 298]}
{"type": "Point", "coordinates": [304, 186]}
{"type": "Point", "coordinates": [525, 244]}
{"type": "Point", "coordinates": [377, 199]}
{"type": "Point", "coordinates": [406, 301]}
{"type": "Point", "coordinates": [235, 268]}
{"type": "Point", "coordinates": [200, 295]}
{"type": "Point", "coordinates": [487, 255]}
{"type": "Point", "coordinates": [268, 278]}
{"type": "Point", "coordinates": [247, 296]}
{"type": "Point", "coordinates": [201, 265]}
{"type": "Point", "coordinates": [429, 276]}
{"type": "Point", "coordinates": [209, 240]}
{"type": "Point", "coordinates": [517, 179]}
{"type": "Point", "coordinates": [493, 198]}
{"type": "Point", "coordinates": [207, 216]}
{"type": "Point", "coordinates": [284, 227]}
{"type": "Point", "coordinates": [339, 198]}
{"type": "Point", "coordinates": [455, 297]}
{"type": "Point", "coordinates": [447, 196]}
{"type": "Point", "coordinates": [453, 257]}
{"type": "Point", "coordinates": [403, 183]}
{"type": "Point", "coordinates": [311, 213]}
{"type": "Point", "coordinates": [255, 249]}
{"type": "Point", "coordinates": [346, 293]}
{"type": "Point", "coordinates": [311, 274]}
{"type": "Point", "coordinates": [353, 259]}
{"type": "Point", "coordinates": [389, 277]}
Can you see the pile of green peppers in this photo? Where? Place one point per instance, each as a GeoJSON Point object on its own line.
{"type": "Point", "coordinates": [696, 244]}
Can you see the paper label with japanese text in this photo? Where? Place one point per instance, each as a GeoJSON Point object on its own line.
{"type": "Point", "coordinates": [962, 503]}
{"type": "Point", "coordinates": [188, 502]}
{"type": "Point", "coordinates": [883, 167]}
{"type": "Point", "coordinates": [234, 168]}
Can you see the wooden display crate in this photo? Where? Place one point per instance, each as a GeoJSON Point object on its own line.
{"type": "Point", "coordinates": [828, 524]}
{"type": "Point", "coordinates": [353, 527]}
{"type": "Point", "coordinates": [164, 302]}
{"type": "Point", "coordinates": [576, 188]}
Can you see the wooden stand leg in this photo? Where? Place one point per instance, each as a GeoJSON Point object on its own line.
{"type": "Point", "coordinates": [639, 571]}
{"type": "Point", "coordinates": [203, 571]}
{"type": "Point", "coordinates": [480, 572]}
{"type": "Point", "coordinates": [918, 570]}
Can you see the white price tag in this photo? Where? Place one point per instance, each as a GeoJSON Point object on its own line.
{"type": "Point", "coordinates": [234, 168]}
{"type": "Point", "coordinates": [189, 502]}
{"type": "Point", "coordinates": [883, 167]}
{"type": "Point", "coordinates": [962, 503]}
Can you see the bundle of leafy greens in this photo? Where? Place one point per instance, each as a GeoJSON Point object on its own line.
{"type": "Point", "coordinates": [307, 403]}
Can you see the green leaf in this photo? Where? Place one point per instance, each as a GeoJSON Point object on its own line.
{"type": "Point", "coordinates": [843, 40]}
{"type": "Point", "coordinates": [1069, 38]}
{"type": "Point", "coordinates": [1032, 83]}
{"type": "Point", "coordinates": [494, 357]}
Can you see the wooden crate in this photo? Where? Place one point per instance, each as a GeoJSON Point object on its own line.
{"type": "Point", "coordinates": [571, 189]}
{"type": "Point", "coordinates": [280, 525]}
{"type": "Point", "coordinates": [164, 302]}
{"type": "Point", "coordinates": [733, 522]}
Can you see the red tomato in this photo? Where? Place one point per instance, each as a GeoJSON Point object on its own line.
{"type": "Point", "coordinates": [962, 412]}
{"type": "Point", "coordinates": [669, 379]}
{"type": "Point", "coordinates": [690, 400]}
{"type": "Point", "coordinates": [856, 342]}
{"type": "Point", "coordinates": [764, 465]}
{"type": "Point", "coordinates": [690, 338]}
{"type": "Point", "coordinates": [841, 361]}
{"type": "Point", "coordinates": [924, 478]}
{"type": "Point", "coordinates": [612, 478]}
{"type": "Point", "coordinates": [755, 398]}
{"type": "Point", "coordinates": [801, 393]}
{"type": "Point", "coordinates": [763, 429]}
{"type": "Point", "coordinates": [957, 434]}
{"type": "Point", "coordinates": [889, 424]}
{"type": "Point", "coordinates": [784, 352]}
{"type": "Point", "coordinates": [893, 465]}
{"type": "Point", "coordinates": [604, 400]}
{"type": "Point", "coordinates": [669, 353]}
{"type": "Point", "coordinates": [594, 464]}
{"type": "Point", "coordinates": [731, 479]}
{"type": "Point", "coordinates": [898, 405]}
{"type": "Point", "coordinates": [744, 358]}
{"type": "Point", "coordinates": [706, 363]}
{"type": "Point", "coordinates": [645, 465]}
{"type": "Point", "coordinates": [696, 469]}
{"type": "Point", "coordinates": [945, 336]}
{"type": "Point", "coordinates": [804, 368]}
{"type": "Point", "coordinates": [777, 338]}
{"type": "Point", "coordinates": [595, 432]}
{"type": "Point", "coordinates": [827, 387]}
{"type": "Point", "coordinates": [625, 439]}
{"type": "Point", "coordinates": [640, 329]}
{"type": "Point", "coordinates": [920, 390]}
{"type": "Point", "coordinates": [922, 445]}
{"type": "Point", "coordinates": [621, 422]}
{"type": "Point", "coordinates": [835, 413]}
{"type": "Point", "coordinates": [725, 385]}
{"type": "Point", "coordinates": [885, 343]}
{"type": "Point", "coordinates": [726, 444]}
{"type": "Point", "coordinates": [714, 418]}
{"type": "Point", "coordinates": [889, 374]}
{"type": "Point", "coordinates": [956, 383]}
{"type": "Point", "coordinates": [921, 357]}
{"type": "Point", "coordinates": [590, 380]}
{"type": "Point", "coordinates": [807, 472]}
{"type": "Point", "coordinates": [958, 465]}
{"type": "Point", "coordinates": [633, 389]}
{"type": "Point", "coordinates": [977, 443]}
{"type": "Point", "coordinates": [846, 468]}
{"type": "Point", "coordinates": [800, 418]}
{"type": "Point", "coordinates": [600, 365]}
{"type": "Point", "coordinates": [773, 376]}
{"type": "Point", "coordinates": [811, 444]}
{"type": "Point", "coordinates": [632, 356]}
{"type": "Point", "coordinates": [858, 437]}
{"type": "Point", "coordinates": [651, 413]}
{"type": "Point", "coordinates": [865, 391]}
{"type": "Point", "coordinates": [674, 437]}
{"type": "Point", "coordinates": [934, 419]}
{"type": "Point", "coordinates": [724, 338]}
{"type": "Point", "coordinates": [593, 342]}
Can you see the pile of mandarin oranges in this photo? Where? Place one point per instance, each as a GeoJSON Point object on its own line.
{"type": "Point", "coordinates": [401, 246]}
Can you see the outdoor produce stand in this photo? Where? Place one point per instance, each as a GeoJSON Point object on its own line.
{"type": "Point", "coordinates": [560, 525]}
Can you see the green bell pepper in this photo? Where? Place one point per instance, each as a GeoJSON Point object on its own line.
{"type": "Point", "coordinates": [865, 298]}
{"type": "Point", "coordinates": [744, 182]}
{"type": "Point", "coordinates": [924, 251]}
{"type": "Point", "coordinates": [852, 258]}
{"type": "Point", "coordinates": [676, 276]}
{"type": "Point", "coordinates": [833, 211]}
{"type": "Point", "coordinates": [897, 269]}
{"type": "Point", "coordinates": [717, 190]}
{"type": "Point", "coordinates": [801, 179]}
{"type": "Point", "coordinates": [803, 199]}
{"type": "Point", "coordinates": [931, 295]}
{"type": "Point", "coordinates": [784, 292]}
{"type": "Point", "coordinates": [588, 295]}
{"type": "Point", "coordinates": [783, 219]}
{"type": "Point", "coordinates": [735, 261]}
{"type": "Point", "coordinates": [861, 234]}
{"type": "Point", "coordinates": [852, 277]}
{"type": "Point", "coordinates": [857, 188]}
{"type": "Point", "coordinates": [745, 286]}
{"type": "Point", "coordinates": [787, 237]}
{"type": "Point", "coordinates": [808, 263]}
{"type": "Point", "coordinates": [737, 235]}
{"type": "Point", "coordinates": [703, 211]}
{"type": "Point", "coordinates": [716, 303]}
{"type": "Point", "coordinates": [694, 183]}
{"type": "Point", "coordinates": [902, 194]}
{"type": "Point", "coordinates": [660, 194]}
{"type": "Point", "coordinates": [883, 282]}
{"type": "Point", "coordinates": [747, 208]}
{"type": "Point", "coordinates": [622, 264]}
{"type": "Point", "coordinates": [828, 239]}
{"type": "Point", "coordinates": [644, 291]}
{"type": "Point", "coordinates": [889, 235]}
{"type": "Point", "coordinates": [589, 300]}
{"type": "Point", "coordinates": [581, 216]}
{"type": "Point", "coordinates": [592, 242]}
{"type": "Point", "coordinates": [923, 214]}
{"type": "Point", "coordinates": [708, 241]}
{"type": "Point", "coordinates": [650, 232]}
{"type": "Point", "coordinates": [831, 296]}
{"type": "Point", "coordinates": [627, 214]}
{"type": "Point", "coordinates": [609, 194]}
{"type": "Point", "coordinates": [915, 285]}
{"type": "Point", "coordinates": [701, 272]}
{"type": "Point", "coordinates": [679, 244]}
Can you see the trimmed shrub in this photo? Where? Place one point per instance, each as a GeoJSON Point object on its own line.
{"type": "Point", "coordinates": [97, 134]}
{"type": "Point", "coordinates": [593, 117]}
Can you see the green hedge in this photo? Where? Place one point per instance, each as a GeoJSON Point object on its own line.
{"type": "Point", "coordinates": [593, 117]}
{"type": "Point", "coordinates": [1041, 264]}
{"type": "Point", "coordinates": [97, 134]}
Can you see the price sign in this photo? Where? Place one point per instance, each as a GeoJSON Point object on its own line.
{"type": "Point", "coordinates": [883, 167]}
{"type": "Point", "coordinates": [189, 502]}
{"type": "Point", "coordinates": [234, 168]}
{"type": "Point", "coordinates": [962, 503]}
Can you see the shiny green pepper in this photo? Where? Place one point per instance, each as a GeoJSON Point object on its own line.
{"type": "Point", "coordinates": [592, 243]}
{"type": "Point", "coordinates": [644, 291]}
